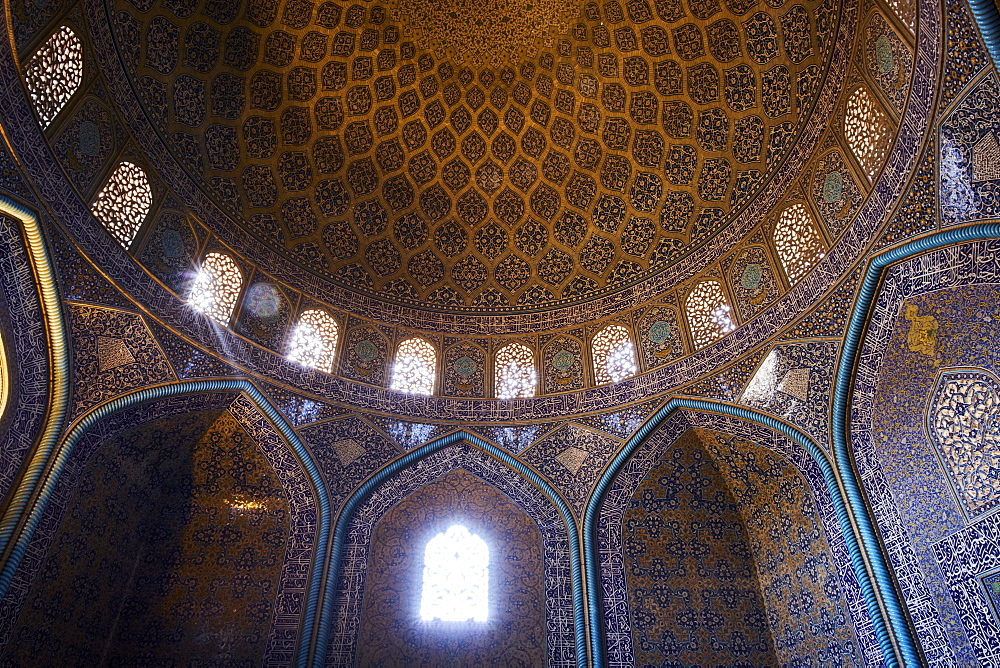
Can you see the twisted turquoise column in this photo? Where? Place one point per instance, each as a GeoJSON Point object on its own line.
{"type": "Point", "coordinates": [59, 378]}
{"type": "Point", "coordinates": [988, 19]}
{"type": "Point", "coordinates": [894, 606]}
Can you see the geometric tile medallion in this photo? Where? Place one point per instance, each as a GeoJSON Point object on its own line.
{"type": "Point", "coordinates": [348, 451]}
{"type": "Point", "coordinates": [572, 458]}
{"type": "Point", "coordinates": [964, 427]}
{"type": "Point", "coordinates": [113, 353]}
{"type": "Point", "coordinates": [796, 384]}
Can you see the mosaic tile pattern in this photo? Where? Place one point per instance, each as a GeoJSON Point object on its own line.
{"type": "Point", "coordinates": [559, 639]}
{"type": "Point", "coordinates": [807, 613]}
{"type": "Point", "coordinates": [752, 279]}
{"type": "Point", "coordinates": [347, 451]}
{"type": "Point", "coordinates": [191, 362]}
{"type": "Point", "coordinates": [171, 250]}
{"type": "Point", "coordinates": [454, 146]}
{"type": "Point", "coordinates": [930, 315]}
{"type": "Point", "coordinates": [889, 60]}
{"type": "Point", "coordinates": [844, 632]}
{"type": "Point", "coordinates": [409, 435]}
{"type": "Point", "coordinates": [118, 481]}
{"type": "Point", "coordinates": [78, 279]}
{"type": "Point", "coordinates": [11, 179]}
{"type": "Point", "coordinates": [727, 384]}
{"type": "Point", "coordinates": [830, 316]}
{"type": "Point", "coordinates": [23, 330]}
{"type": "Point", "coordinates": [513, 439]}
{"type": "Point", "coordinates": [694, 596]}
{"type": "Point", "coordinates": [660, 336]}
{"type": "Point", "coordinates": [964, 428]}
{"type": "Point", "coordinates": [917, 211]}
{"type": "Point", "coordinates": [967, 54]}
{"type": "Point", "coordinates": [572, 457]}
{"type": "Point", "coordinates": [793, 382]}
{"type": "Point", "coordinates": [391, 629]}
{"type": "Point", "coordinates": [87, 142]}
{"type": "Point", "coordinates": [623, 423]}
{"type": "Point", "coordinates": [968, 153]}
{"type": "Point", "coordinates": [114, 352]}
{"type": "Point", "coordinates": [259, 445]}
{"type": "Point", "coordinates": [300, 410]}
{"type": "Point", "coordinates": [265, 313]}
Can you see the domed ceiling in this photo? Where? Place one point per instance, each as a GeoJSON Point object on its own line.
{"type": "Point", "coordinates": [488, 155]}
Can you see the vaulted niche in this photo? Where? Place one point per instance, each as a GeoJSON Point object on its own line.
{"type": "Point", "coordinates": [400, 626]}
{"type": "Point", "coordinates": [170, 550]}
{"type": "Point", "coordinates": [726, 562]}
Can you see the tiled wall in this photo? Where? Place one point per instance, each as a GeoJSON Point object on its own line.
{"type": "Point", "coordinates": [171, 549]}
{"type": "Point", "coordinates": [392, 632]}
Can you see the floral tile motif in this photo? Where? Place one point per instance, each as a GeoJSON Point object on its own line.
{"type": "Point", "coordinates": [114, 353]}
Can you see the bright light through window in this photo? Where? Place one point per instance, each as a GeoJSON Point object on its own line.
{"type": "Point", "coordinates": [413, 370]}
{"type": "Point", "coordinates": [709, 314]}
{"type": "Point", "coordinates": [456, 577]}
{"type": "Point", "coordinates": [614, 355]}
{"type": "Point", "coordinates": [216, 287]}
{"type": "Point", "coordinates": [314, 340]}
{"type": "Point", "coordinates": [54, 73]}
{"type": "Point", "coordinates": [516, 375]}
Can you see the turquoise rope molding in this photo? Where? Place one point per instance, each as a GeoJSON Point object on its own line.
{"type": "Point", "coordinates": [407, 460]}
{"type": "Point", "coordinates": [988, 19]}
{"type": "Point", "coordinates": [55, 330]}
{"type": "Point", "coordinates": [190, 387]}
{"type": "Point", "coordinates": [598, 644]}
{"type": "Point", "coordinates": [895, 607]}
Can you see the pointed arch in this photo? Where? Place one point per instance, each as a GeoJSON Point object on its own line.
{"type": "Point", "coordinates": [124, 202]}
{"type": "Point", "coordinates": [289, 458]}
{"type": "Point", "coordinates": [797, 241]}
{"type": "Point", "coordinates": [860, 334]}
{"type": "Point", "coordinates": [216, 287]}
{"type": "Point", "coordinates": [875, 591]}
{"type": "Point", "coordinates": [414, 369]}
{"type": "Point", "coordinates": [458, 450]}
{"type": "Point", "coordinates": [54, 399]}
{"type": "Point", "coordinates": [514, 369]}
{"type": "Point", "coordinates": [54, 73]}
{"type": "Point", "coordinates": [613, 354]}
{"type": "Point", "coordinates": [314, 340]}
{"type": "Point", "coordinates": [710, 317]}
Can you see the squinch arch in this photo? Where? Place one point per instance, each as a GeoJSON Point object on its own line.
{"type": "Point", "coordinates": [739, 418]}
{"type": "Point", "coordinates": [458, 450]}
{"type": "Point", "coordinates": [296, 599]}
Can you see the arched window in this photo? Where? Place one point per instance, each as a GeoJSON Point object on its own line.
{"type": "Point", "coordinates": [54, 73]}
{"type": "Point", "coordinates": [314, 340]}
{"type": "Point", "coordinates": [123, 202]}
{"type": "Point", "coordinates": [456, 577]}
{"type": "Point", "coordinates": [414, 369]}
{"type": "Point", "coordinates": [709, 314]}
{"type": "Point", "coordinates": [216, 287]}
{"type": "Point", "coordinates": [614, 355]}
{"type": "Point", "coordinates": [515, 372]}
{"type": "Point", "coordinates": [797, 241]}
{"type": "Point", "coordinates": [867, 130]}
